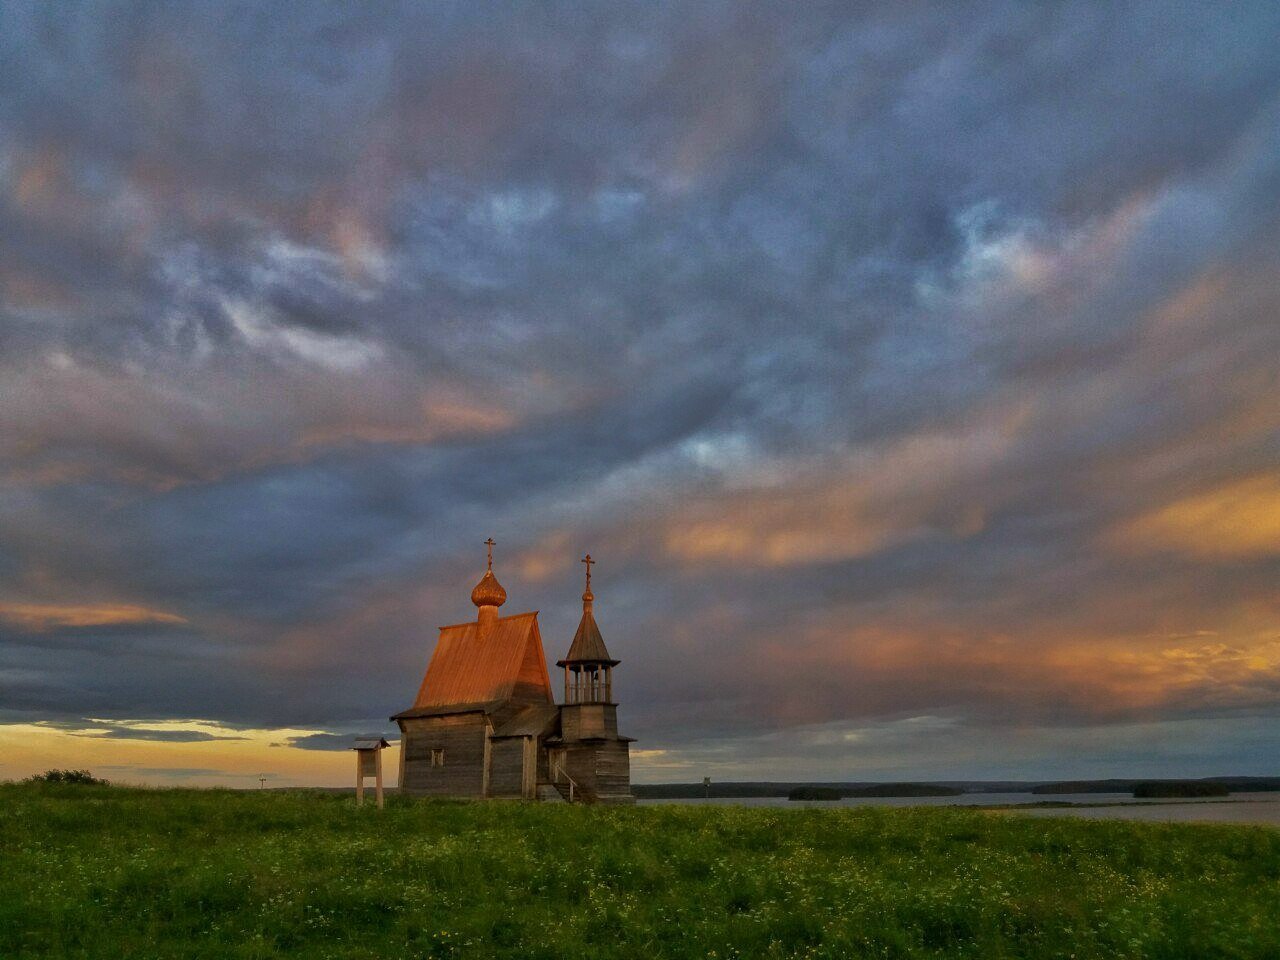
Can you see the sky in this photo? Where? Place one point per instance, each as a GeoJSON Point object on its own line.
{"type": "Point", "coordinates": [912, 371]}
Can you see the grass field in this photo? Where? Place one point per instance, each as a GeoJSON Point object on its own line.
{"type": "Point", "coordinates": [110, 872]}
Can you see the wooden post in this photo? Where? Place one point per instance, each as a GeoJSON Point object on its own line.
{"type": "Point", "coordinates": [487, 762]}
{"type": "Point", "coordinates": [359, 779]}
{"type": "Point", "coordinates": [566, 683]}
{"type": "Point", "coordinates": [400, 772]}
{"type": "Point", "coordinates": [368, 752]}
{"type": "Point", "coordinates": [531, 753]}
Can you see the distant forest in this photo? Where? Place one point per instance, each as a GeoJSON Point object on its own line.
{"type": "Point", "coordinates": [746, 788]}
{"type": "Point", "coordinates": [685, 791]}
{"type": "Point", "coordinates": [1213, 786]}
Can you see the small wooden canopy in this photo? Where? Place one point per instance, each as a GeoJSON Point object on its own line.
{"type": "Point", "coordinates": [370, 743]}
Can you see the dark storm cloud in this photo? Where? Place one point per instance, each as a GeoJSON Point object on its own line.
{"type": "Point", "coordinates": [117, 732]}
{"type": "Point", "coordinates": [894, 360]}
{"type": "Point", "coordinates": [328, 741]}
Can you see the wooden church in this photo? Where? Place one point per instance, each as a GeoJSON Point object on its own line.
{"type": "Point", "coordinates": [486, 724]}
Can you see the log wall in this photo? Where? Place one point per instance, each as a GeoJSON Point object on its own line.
{"type": "Point", "coordinates": [506, 767]}
{"type": "Point", "coordinates": [461, 737]}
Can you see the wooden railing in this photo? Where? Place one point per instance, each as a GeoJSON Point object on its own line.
{"type": "Point", "coordinates": [558, 771]}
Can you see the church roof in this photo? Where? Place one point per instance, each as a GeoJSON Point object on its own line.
{"type": "Point", "coordinates": [474, 668]}
{"type": "Point", "coordinates": [535, 720]}
{"type": "Point", "coordinates": [588, 646]}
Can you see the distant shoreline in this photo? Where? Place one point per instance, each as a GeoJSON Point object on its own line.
{"type": "Point", "coordinates": [741, 789]}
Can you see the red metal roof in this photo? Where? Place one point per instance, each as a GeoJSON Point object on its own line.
{"type": "Point", "coordinates": [503, 662]}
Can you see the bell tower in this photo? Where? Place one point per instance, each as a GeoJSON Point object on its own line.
{"type": "Point", "coordinates": [590, 750]}
{"type": "Point", "coordinates": [588, 668]}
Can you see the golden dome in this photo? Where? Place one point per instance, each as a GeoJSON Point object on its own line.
{"type": "Point", "coordinates": [488, 592]}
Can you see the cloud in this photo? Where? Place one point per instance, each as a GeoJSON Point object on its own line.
{"type": "Point", "coordinates": [43, 616]}
{"type": "Point", "coordinates": [164, 736]}
{"type": "Point", "coordinates": [327, 741]}
{"type": "Point", "coordinates": [137, 730]}
{"type": "Point", "coordinates": [897, 362]}
{"type": "Point", "coordinates": [1239, 520]}
{"type": "Point", "coordinates": [886, 495]}
{"type": "Point", "coordinates": [336, 353]}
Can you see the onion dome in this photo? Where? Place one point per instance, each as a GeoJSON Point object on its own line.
{"type": "Point", "coordinates": [488, 592]}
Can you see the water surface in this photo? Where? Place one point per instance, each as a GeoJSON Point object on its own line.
{"type": "Point", "coordinates": [1238, 808]}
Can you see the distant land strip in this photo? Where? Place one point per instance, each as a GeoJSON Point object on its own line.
{"type": "Point", "coordinates": [731, 789]}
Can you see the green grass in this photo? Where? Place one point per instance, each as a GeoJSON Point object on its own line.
{"type": "Point", "coordinates": [113, 872]}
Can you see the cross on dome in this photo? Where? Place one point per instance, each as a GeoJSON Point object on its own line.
{"type": "Point", "coordinates": [489, 592]}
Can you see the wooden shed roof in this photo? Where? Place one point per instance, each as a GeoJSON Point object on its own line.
{"type": "Point", "coordinates": [475, 668]}
{"type": "Point", "coordinates": [534, 720]}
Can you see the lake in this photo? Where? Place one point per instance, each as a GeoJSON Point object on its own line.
{"type": "Point", "coordinates": [1238, 808]}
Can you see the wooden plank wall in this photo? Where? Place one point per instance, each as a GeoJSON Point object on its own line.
{"type": "Point", "coordinates": [613, 769]}
{"type": "Point", "coordinates": [603, 767]}
{"type": "Point", "coordinates": [506, 767]}
{"type": "Point", "coordinates": [462, 737]}
{"type": "Point", "coordinates": [579, 721]}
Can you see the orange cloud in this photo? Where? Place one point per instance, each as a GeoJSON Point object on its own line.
{"type": "Point", "coordinates": [878, 499]}
{"type": "Point", "coordinates": [1236, 521]}
{"type": "Point", "coordinates": [41, 616]}
{"type": "Point", "coordinates": [1103, 677]}
{"type": "Point", "coordinates": [38, 181]}
{"type": "Point", "coordinates": [71, 419]}
{"type": "Point", "coordinates": [549, 556]}
{"type": "Point", "coordinates": [438, 415]}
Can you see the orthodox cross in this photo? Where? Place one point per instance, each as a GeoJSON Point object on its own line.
{"type": "Point", "coordinates": [588, 561]}
{"type": "Point", "coordinates": [489, 543]}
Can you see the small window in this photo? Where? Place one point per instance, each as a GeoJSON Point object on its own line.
{"type": "Point", "coordinates": [437, 757]}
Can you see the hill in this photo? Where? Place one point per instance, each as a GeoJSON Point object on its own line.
{"type": "Point", "coordinates": [737, 789]}
{"type": "Point", "coordinates": [1190, 788]}
{"type": "Point", "coordinates": [1230, 784]}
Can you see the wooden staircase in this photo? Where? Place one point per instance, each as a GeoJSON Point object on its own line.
{"type": "Point", "coordinates": [548, 792]}
{"type": "Point", "coordinates": [569, 790]}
